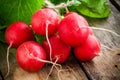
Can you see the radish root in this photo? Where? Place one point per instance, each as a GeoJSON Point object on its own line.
{"type": "Point", "coordinates": [8, 65]}
{"type": "Point", "coordinates": [45, 61]}
{"type": "Point", "coordinates": [52, 69]}
{"type": "Point", "coordinates": [54, 63]}
{"type": "Point", "coordinates": [47, 22]}
{"type": "Point", "coordinates": [60, 70]}
{"type": "Point", "coordinates": [107, 30]}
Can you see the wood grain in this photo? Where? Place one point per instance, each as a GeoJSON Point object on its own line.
{"type": "Point", "coordinates": [71, 71]}
{"type": "Point", "coordinates": [116, 3]}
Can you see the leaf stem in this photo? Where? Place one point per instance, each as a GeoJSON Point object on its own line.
{"type": "Point", "coordinates": [62, 5]}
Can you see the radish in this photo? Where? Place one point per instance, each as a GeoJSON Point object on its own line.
{"type": "Point", "coordinates": [73, 29]}
{"type": "Point", "coordinates": [39, 19]}
{"type": "Point", "coordinates": [60, 51]}
{"type": "Point", "coordinates": [28, 55]}
{"type": "Point", "coordinates": [16, 34]}
{"type": "Point", "coordinates": [88, 50]}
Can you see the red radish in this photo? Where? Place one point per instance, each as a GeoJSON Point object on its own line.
{"type": "Point", "coordinates": [40, 18]}
{"type": "Point", "coordinates": [73, 29]}
{"type": "Point", "coordinates": [17, 33]}
{"type": "Point", "coordinates": [88, 50]}
{"type": "Point", "coordinates": [26, 54]}
{"type": "Point", "coordinates": [60, 50]}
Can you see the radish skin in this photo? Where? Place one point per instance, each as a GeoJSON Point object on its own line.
{"type": "Point", "coordinates": [16, 34]}
{"type": "Point", "coordinates": [88, 50]}
{"type": "Point", "coordinates": [40, 18]}
{"type": "Point", "coordinates": [25, 56]}
{"type": "Point", "coordinates": [59, 49]}
{"type": "Point", "coordinates": [73, 29]}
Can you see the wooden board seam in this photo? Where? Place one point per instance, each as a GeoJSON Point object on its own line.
{"type": "Point", "coordinates": [117, 6]}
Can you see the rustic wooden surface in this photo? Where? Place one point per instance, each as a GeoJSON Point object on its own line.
{"type": "Point", "coordinates": [104, 67]}
{"type": "Point", "coordinates": [116, 3]}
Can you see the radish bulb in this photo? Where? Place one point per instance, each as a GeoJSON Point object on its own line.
{"type": "Point", "coordinates": [28, 55]}
{"type": "Point", "coordinates": [15, 35]}
{"type": "Point", "coordinates": [73, 29]}
{"type": "Point", "coordinates": [88, 50]}
{"type": "Point", "coordinates": [60, 51]}
{"type": "Point", "coordinates": [40, 18]}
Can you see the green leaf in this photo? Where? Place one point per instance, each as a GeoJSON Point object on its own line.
{"type": "Point", "coordinates": [90, 8]}
{"type": "Point", "coordinates": [2, 27]}
{"type": "Point", "coordinates": [39, 38]}
{"type": "Point", "coordinates": [58, 1]}
{"type": "Point", "coordinates": [94, 8]}
{"type": "Point", "coordinates": [18, 10]}
{"type": "Point", "coordinates": [2, 36]}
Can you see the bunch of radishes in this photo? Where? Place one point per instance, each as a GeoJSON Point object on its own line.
{"type": "Point", "coordinates": [61, 34]}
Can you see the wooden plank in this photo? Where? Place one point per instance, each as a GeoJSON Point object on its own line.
{"type": "Point", "coordinates": [1, 76]}
{"type": "Point", "coordinates": [71, 69]}
{"type": "Point", "coordinates": [70, 72]}
{"type": "Point", "coordinates": [3, 64]}
{"type": "Point", "coordinates": [106, 66]}
{"type": "Point", "coordinates": [116, 3]}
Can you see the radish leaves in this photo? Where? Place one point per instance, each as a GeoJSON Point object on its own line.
{"type": "Point", "coordinates": [18, 10]}
{"type": "Point", "coordinates": [94, 8]}
{"type": "Point", "coordinates": [90, 8]}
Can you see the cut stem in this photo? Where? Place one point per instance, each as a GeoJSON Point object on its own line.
{"type": "Point", "coordinates": [66, 8]}
{"type": "Point", "coordinates": [62, 5]}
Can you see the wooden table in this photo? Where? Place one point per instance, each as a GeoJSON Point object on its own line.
{"type": "Point", "coordinates": [104, 67]}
